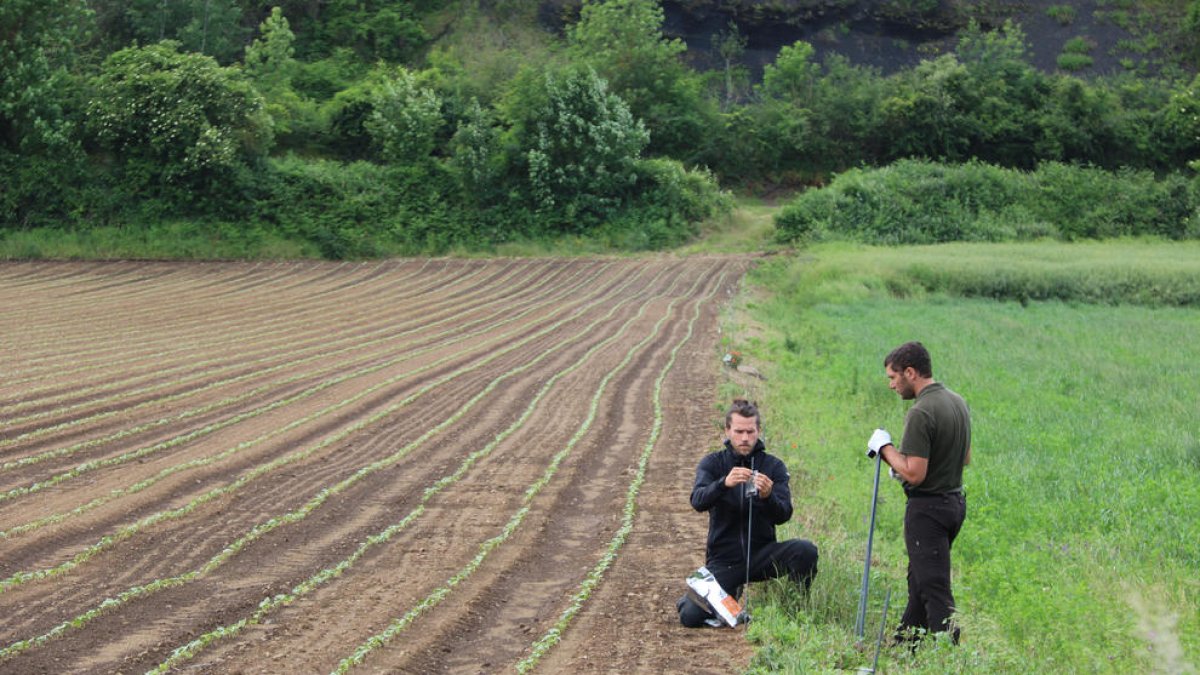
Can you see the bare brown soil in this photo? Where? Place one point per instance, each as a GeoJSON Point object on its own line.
{"type": "Point", "coordinates": [415, 461]}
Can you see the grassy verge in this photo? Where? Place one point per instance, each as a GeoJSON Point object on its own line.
{"type": "Point", "coordinates": [748, 228]}
{"type": "Point", "coordinates": [1080, 550]}
{"type": "Point", "coordinates": [181, 240]}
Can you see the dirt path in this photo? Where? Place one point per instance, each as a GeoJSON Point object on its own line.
{"type": "Point", "coordinates": [404, 466]}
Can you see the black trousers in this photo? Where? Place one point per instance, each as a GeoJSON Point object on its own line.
{"type": "Point", "coordinates": [930, 526]}
{"type": "Point", "coordinates": [796, 558]}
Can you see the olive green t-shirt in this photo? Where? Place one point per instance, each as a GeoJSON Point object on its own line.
{"type": "Point", "coordinates": [938, 428]}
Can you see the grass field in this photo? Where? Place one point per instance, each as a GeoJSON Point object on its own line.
{"type": "Point", "coordinates": [1080, 549]}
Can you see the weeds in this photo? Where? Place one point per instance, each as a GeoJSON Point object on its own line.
{"type": "Point", "coordinates": [1083, 441]}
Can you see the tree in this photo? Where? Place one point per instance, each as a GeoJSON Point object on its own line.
{"type": "Point", "coordinates": [374, 29]}
{"type": "Point", "coordinates": [180, 118]}
{"type": "Point", "coordinates": [212, 27]}
{"type": "Point", "coordinates": [269, 59]}
{"type": "Point", "coordinates": [1002, 94]}
{"type": "Point", "coordinates": [922, 116]}
{"type": "Point", "coordinates": [1190, 32]}
{"type": "Point", "coordinates": [623, 41]}
{"type": "Point", "coordinates": [477, 158]}
{"type": "Point", "coordinates": [846, 106]}
{"type": "Point", "coordinates": [405, 120]}
{"type": "Point", "coordinates": [1183, 122]}
{"type": "Point", "coordinates": [37, 39]}
{"type": "Point", "coordinates": [793, 75]}
{"type": "Point", "coordinates": [579, 143]}
{"type": "Point", "coordinates": [731, 44]}
{"type": "Point", "coordinates": [270, 65]}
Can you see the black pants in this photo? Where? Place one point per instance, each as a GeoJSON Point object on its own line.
{"type": "Point", "coordinates": [930, 526]}
{"type": "Point", "coordinates": [797, 558]}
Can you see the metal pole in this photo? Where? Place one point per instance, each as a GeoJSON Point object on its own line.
{"type": "Point", "coordinates": [882, 626]}
{"type": "Point", "coordinates": [866, 579]}
{"type": "Point", "coordinates": [749, 531]}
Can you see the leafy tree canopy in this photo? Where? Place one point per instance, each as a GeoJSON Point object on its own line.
{"type": "Point", "coordinates": [37, 39]}
{"type": "Point", "coordinates": [212, 27]}
{"type": "Point", "coordinates": [405, 120]}
{"type": "Point", "coordinates": [183, 113]}
{"type": "Point", "coordinates": [580, 143]}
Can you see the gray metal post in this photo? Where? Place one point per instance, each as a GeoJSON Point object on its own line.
{"type": "Point", "coordinates": [866, 580]}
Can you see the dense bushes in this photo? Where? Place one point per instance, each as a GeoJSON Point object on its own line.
{"type": "Point", "coordinates": [668, 203]}
{"type": "Point", "coordinates": [983, 101]}
{"type": "Point", "coordinates": [181, 117]}
{"type": "Point", "coordinates": [603, 131]}
{"type": "Point", "coordinates": [360, 209]}
{"type": "Point", "coordinates": [917, 202]}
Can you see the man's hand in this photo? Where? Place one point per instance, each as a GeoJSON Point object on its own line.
{"type": "Point", "coordinates": [763, 483]}
{"type": "Point", "coordinates": [740, 474]}
{"type": "Point", "coordinates": [737, 476]}
{"type": "Point", "coordinates": [878, 439]}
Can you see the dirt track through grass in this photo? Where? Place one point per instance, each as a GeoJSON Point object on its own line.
{"type": "Point", "coordinates": [410, 465]}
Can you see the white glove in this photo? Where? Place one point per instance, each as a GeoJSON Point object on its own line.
{"type": "Point", "coordinates": [878, 439]}
{"type": "Point", "coordinates": [892, 474]}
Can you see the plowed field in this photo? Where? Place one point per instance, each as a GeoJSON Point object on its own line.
{"type": "Point", "coordinates": [408, 466]}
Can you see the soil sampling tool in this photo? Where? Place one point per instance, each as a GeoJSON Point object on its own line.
{"type": "Point", "coordinates": [866, 578]}
{"type": "Point", "coordinates": [879, 640]}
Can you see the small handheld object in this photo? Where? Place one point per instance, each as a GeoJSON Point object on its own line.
{"type": "Point", "coordinates": [752, 485]}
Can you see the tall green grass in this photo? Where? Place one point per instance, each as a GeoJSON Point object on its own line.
{"type": "Point", "coordinates": [1081, 545]}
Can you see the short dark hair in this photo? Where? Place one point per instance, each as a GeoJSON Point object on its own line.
{"type": "Point", "coordinates": [910, 355]}
{"type": "Point", "coordinates": [743, 408]}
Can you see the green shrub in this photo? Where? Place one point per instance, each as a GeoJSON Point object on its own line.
{"type": "Point", "coordinates": [362, 210]}
{"type": "Point", "coordinates": [323, 78]}
{"type": "Point", "coordinates": [908, 202]}
{"type": "Point", "coordinates": [670, 203]}
{"type": "Point", "coordinates": [41, 191]}
{"type": "Point", "coordinates": [1071, 62]}
{"type": "Point", "coordinates": [1078, 45]}
{"type": "Point", "coordinates": [405, 119]}
{"type": "Point", "coordinates": [578, 145]}
{"type": "Point", "coordinates": [1063, 14]}
{"type": "Point", "coordinates": [922, 202]}
{"type": "Point", "coordinates": [1092, 203]}
{"type": "Point", "coordinates": [680, 194]}
{"type": "Point", "coordinates": [347, 113]}
{"type": "Point", "coordinates": [197, 122]}
{"type": "Point", "coordinates": [1075, 54]}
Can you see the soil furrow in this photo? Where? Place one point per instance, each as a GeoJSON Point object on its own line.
{"type": "Point", "coordinates": [360, 468]}
{"type": "Point", "coordinates": [242, 321]}
{"type": "Point", "coordinates": [579, 311]}
{"type": "Point", "coordinates": [415, 345]}
{"type": "Point", "coordinates": [487, 480]}
{"type": "Point", "coordinates": [276, 359]}
{"type": "Point", "coordinates": [267, 424]}
{"type": "Point", "coordinates": [493, 479]}
{"type": "Point", "coordinates": [237, 323]}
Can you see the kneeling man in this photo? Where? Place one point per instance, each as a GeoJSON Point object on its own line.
{"type": "Point", "coordinates": [746, 493]}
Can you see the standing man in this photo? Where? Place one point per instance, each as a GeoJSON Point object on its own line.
{"type": "Point", "coordinates": [745, 491]}
{"type": "Point", "coordinates": [935, 448]}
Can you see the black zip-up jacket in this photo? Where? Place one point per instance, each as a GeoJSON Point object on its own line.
{"type": "Point", "coordinates": [728, 508]}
